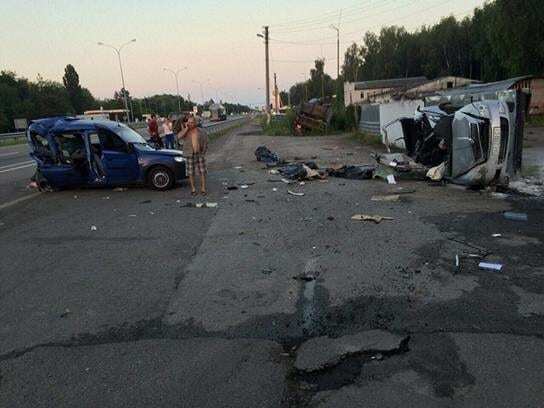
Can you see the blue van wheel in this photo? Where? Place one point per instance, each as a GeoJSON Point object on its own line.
{"type": "Point", "coordinates": [160, 178]}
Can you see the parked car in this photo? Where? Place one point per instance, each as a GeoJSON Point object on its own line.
{"type": "Point", "coordinates": [478, 142]}
{"type": "Point", "coordinates": [72, 152]}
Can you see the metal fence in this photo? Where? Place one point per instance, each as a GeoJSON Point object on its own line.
{"type": "Point", "coordinates": [370, 119]}
{"type": "Point", "coordinates": [12, 136]}
{"type": "Point", "coordinates": [212, 127]}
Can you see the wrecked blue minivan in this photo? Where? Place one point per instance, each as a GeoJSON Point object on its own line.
{"type": "Point", "coordinates": [72, 152]}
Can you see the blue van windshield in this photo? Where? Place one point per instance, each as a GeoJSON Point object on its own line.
{"type": "Point", "coordinates": [129, 135]}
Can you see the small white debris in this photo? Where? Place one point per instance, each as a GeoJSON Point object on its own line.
{"type": "Point", "coordinates": [93, 228]}
{"type": "Point", "coordinates": [391, 179]}
{"type": "Point", "coordinates": [244, 186]}
{"type": "Point", "coordinates": [496, 235]}
{"type": "Point", "coordinates": [294, 193]}
{"type": "Point", "coordinates": [274, 189]}
{"type": "Point", "coordinates": [490, 266]}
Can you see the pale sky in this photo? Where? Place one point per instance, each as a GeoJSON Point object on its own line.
{"type": "Point", "coordinates": [216, 40]}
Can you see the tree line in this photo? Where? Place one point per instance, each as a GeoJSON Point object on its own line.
{"type": "Point", "coordinates": [500, 40]}
{"type": "Point", "coordinates": [22, 98]}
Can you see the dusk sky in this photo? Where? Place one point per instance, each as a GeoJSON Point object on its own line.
{"type": "Point", "coordinates": [216, 40]}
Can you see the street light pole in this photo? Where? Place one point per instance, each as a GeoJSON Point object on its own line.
{"type": "Point", "coordinates": [176, 75]}
{"type": "Point", "coordinates": [124, 90]}
{"type": "Point", "coordinates": [337, 50]}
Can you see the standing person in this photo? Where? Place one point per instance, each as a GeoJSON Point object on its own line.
{"type": "Point", "coordinates": [195, 147]}
{"type": "Point", "coordinates": [153, 128]}
{"type": "Point", "coordinates": [168, 133]}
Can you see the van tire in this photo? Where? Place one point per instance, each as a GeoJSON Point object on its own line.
{"type": "Point", "coordinates": [160, 178]}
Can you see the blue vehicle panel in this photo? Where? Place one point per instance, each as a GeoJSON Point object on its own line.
{"type": "Point", "coordinates": [72, 152]}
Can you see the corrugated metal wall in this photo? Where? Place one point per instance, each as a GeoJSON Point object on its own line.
{"type": "Point", "coordinates": [370, 119]}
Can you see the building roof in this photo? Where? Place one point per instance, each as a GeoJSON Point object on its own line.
{"type": "Point", "coordinates": [491, 87]}
{"type": "Point", "coordinates": [391, 83]}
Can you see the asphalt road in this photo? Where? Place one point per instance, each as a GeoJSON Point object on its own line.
{"type": "Point", "coordinates": [16, 168]}
{"type": "Point", "coordinates": [168, 305]}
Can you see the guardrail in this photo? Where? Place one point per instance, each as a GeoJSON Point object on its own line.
{"type": "Point", "coordinates": [211, 127]}
{"type": "Point", "coordinates": [13, 135]}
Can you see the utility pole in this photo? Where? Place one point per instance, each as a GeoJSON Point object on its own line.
{"type": "Point", "coordinates": [276, 102]}
{"type": "Point", "coordinates": [267, 63]}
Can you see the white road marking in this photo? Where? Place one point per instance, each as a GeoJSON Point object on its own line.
{"type": "Point", "coordinates": [19, 200]}
{"type": "Point", "coordinates": [8, 154]}
{"type": "Point", "coordinates": [18, 168]}
{"type": "Point", "coordinates": [16, 164]}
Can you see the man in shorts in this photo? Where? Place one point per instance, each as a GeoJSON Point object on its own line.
{"type": "Point", "coordinates": [195, 147]}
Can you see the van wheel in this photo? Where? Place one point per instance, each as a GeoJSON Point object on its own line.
{"type": "Point", "coordinates": [160, 178]}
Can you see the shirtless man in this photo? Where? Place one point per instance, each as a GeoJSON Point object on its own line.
{"type": "Point", "coordinates": [195, 146]}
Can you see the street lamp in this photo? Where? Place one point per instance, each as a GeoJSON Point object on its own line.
{"type": "Point", "coordinates": [201, 91]}
{"type": "Point", "coordinates": [118, 51]}
{"type": "Point", "coordinates": [176, 74]}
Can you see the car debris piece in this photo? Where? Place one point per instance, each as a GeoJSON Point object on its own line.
{"type": "Point", "coordinates": [354, 172]}
{"type": "Point", "coordinates": [274, 189]}
{"type": "Point", "coordinates": [515, 216]}
{"type": "Point", "coordinates": [496, 235]}
{"type": "Point", "coordinates": [295, 194]}
{"type": "Point", "coordinates": [263, 154]}
{"type": "Point", "coordinates": [301, 171]}
{"type": "Point", "coordinates": [390, 197]}
{"type": "Point", "coordinates": [391, 179]}
{"type": "Point", "coordinates": [244, 186]}
{"type": "Point", "coordinates": [490, 266]}
{"type": "Point", "coordinates": [373, 218]}
{"type": "Point", "coordinates": [93, 228]}
{"type": "Point", "coordinates": [437, 173]}
{"type": "Point", "coordinates": [315, 114]}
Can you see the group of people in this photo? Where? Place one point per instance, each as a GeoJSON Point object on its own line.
{"type": "Point", "coordinates": [183, 132]}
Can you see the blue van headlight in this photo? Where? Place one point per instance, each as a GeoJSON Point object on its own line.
{"type": "Point", "coordinates": [179, 159]}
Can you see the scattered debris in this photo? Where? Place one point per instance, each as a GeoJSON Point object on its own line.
{"type": "Point", "coordinates": [238, 167]}
{"type": "Point", "coordinates": [263, 154]}
{"type": "Point", "coordinates": [295, 194]}
{"type": "Point", "coordinates": [274, 171]}
{"type": "Point", "coordinates": [200, 205]}
{"type": "Point", "coordinates": [500, 196]}
{"type": "Point", "coordinates": [390, 197]}
{"type": "Point", "coordinates": [267, 271]}
{"type": "Point", "coordinates": [145, 202]}
{"type": "Point", "coordinates": [301, 171]}
{"type": "Point", "coordinates": [120, 189]}
{"type": "Point", "coordinates": [132, 215]}
{"type": "Point", "coordinates": [437, 173]}
{"type": "Point", "coordinates": [355, 172]}
{"type": "Point", "coordinates": [244, 186]}
{"type": "Point", "coordinates": [274, 189]}
{"type": "Point", "coordinates": [304, 278]}
{"type": "Point", "coordinates": [490, 266]}
{"type": "Point", "coordinates": [496, 235]}
{"type": "Point", "coordinates": [330, 218]}
{"type": "Point", "coordinates": [515, 216]}
{"type": "Point", "coordinates": [323, 352]}
{"type": "Point", "coordinates": [232, 187]}
{"type": "Point", "coordinates": [93, 228]}
{"type": "Point", "coordinates": [65, 313]}
{"type": "Point", "coordinates": [286, 181]}
{"type": "Point", "coordinates": [391, 179]}
{"type": "Point", "coordinates": [374, 218]}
